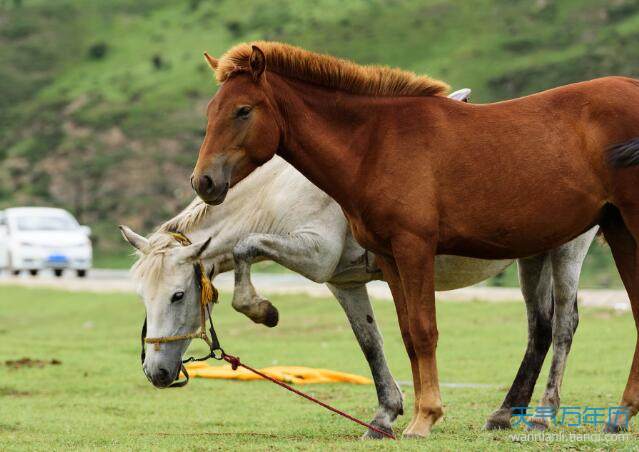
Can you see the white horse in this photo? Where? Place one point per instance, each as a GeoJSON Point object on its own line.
{"type": "Point", "coordinates": [277, 214]}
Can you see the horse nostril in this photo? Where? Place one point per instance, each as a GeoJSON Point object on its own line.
{"type": "Point", "coordinates": [192, 184]}
{"type": "Point", "coordinates": [205, 184]}
{"type": "Point", "coordinates": [163, 375]}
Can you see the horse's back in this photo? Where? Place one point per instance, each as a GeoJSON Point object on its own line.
{"type": "Point", "coordinates": [516, 167]}
{"type": "Point", "coordinates": [613, 88]}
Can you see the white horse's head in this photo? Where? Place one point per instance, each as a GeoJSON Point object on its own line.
{"type": "Point", "coordinates": [167, 283]}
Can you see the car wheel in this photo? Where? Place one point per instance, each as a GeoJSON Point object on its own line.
{"type": "Point", "coordinates": [58, 272]}
{"type": "Point", "coordinates": [81, 273]}
{"type": "Point", "coordinates": [33, 272]}
{"type": "Point", "coordinates": [14, 272]}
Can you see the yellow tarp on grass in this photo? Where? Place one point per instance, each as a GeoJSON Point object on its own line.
{"type": "Point", "coordinates": [287, 374]}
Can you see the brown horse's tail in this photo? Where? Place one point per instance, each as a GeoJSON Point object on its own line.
{"type": "Point", "coordinates": [625, 154]}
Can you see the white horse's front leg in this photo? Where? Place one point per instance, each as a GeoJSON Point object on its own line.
{"type": "Point", "coordinates": [357, 306]}
{"type": "Point", "coordinates": [306, 253]}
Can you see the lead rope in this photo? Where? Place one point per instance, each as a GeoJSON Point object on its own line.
{"type": "Point", "coordinates": [235, 362]}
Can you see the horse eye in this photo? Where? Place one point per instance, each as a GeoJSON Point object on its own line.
{"type": "Point", "coordinates": [177, 296]}
{"type": "Point", "coordinates": [243, 112]}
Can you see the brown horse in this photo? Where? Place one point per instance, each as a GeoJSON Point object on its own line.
{"type": "Point", "coordinates": [419, 175]}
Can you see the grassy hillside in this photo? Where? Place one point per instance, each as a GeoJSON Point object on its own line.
{"type": "Point", "coordinates": [101, 103]}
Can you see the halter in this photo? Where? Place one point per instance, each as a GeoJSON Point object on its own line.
{"type": "Point", "coordinates": [208, 295]}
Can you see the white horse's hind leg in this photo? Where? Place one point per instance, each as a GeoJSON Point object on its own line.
{"type": "Point", "coordinates": [566, 267]}
{"type": "Point", "coordinates": [306, 253]}
{"type": "Point", "coordinates": [357, 306]}
{"type": "Point", "coordinates": [535, 276]}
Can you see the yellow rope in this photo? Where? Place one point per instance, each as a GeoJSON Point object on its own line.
{"type": "Point", "coordinates": [181, 238]}
{"type": "Point", "coordinates": [209, 293]}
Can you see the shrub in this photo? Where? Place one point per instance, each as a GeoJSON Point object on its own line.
{"type": "Point", "coordinates": [98, 50]}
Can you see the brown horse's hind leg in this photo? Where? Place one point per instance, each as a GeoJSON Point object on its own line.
{"type": "Point", "coordinates": [623, 243]}
{"type": "Point", "coordinates": [415, 260]}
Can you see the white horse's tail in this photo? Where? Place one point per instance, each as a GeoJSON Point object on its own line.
{"type": "Point", "coordinates": [461, 94]}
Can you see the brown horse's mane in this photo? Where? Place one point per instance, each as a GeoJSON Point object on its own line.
{"type": "Point", "coordinates": [329, 71]}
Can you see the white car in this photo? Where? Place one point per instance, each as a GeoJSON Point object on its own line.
{"type": "Point", "coordinates": [38, 238]}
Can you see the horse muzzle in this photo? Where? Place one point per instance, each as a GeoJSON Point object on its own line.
{"type": "Point", "coordinates": [208, 191]}
{"type": "Point", "coordinates": [161, 376]}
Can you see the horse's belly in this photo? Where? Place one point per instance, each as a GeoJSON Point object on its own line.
{"type": "Point", "coordinates": [455, 272]}
{"type": "Point", "coordinates": [518, 228]}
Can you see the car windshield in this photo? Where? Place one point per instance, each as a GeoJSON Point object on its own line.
{"type": "Point", "coordinates": [46, 223]}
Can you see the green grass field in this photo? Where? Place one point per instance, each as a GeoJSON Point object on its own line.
{"type": "Point", "coordinates": [98, 397]}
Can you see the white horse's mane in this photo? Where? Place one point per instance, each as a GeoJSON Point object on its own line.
{"type": "Point", "coordinates": [186, 220]}
{"type": "Point", "coordinates": [150, 265]}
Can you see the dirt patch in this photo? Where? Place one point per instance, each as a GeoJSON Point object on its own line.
{"type": "Point", "coordinates": [8, 428]}
{"type": "Point", "coordinates": [28, 362]}
{"type": "Point", "coordinates": [117, 411]}
{"type": "Point", "coordinates": [5, 391]}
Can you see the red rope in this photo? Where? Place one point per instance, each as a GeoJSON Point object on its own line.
{"type": "Point", "coordinates": [235, 362]}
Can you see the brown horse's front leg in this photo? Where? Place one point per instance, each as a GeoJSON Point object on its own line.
{"type": "Point", "coordinates": [415, 259]}
{"type": "Point", "coordinates": [391, 276]}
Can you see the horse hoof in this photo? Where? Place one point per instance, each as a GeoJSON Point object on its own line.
{"type": "Point", "coordinates": [416, 431]}
{"type": "Point", "coordinates": [272, 317]}
{"type": "Point", "coordinates": [372, 434]}
{"type": "Point", "coordinates": [613, 428]}
{"type": "Point", "coordinates": [497, 424]}
{"type": "Point", "coordinates": [414, 435]}
{"type": "Point", "coordinates": [537, 424]}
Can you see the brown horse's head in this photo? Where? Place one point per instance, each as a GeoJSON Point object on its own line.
{"type": "Point", "coordinates": [242, 131]}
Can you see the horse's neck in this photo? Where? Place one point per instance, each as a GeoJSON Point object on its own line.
{"type": "Point", "coordinates": [241, 213]}
{"type": "Point", "coordinates": [326, 135]}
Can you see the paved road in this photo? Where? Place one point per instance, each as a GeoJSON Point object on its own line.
{"type": "Point", "coordinates": [101, 280]}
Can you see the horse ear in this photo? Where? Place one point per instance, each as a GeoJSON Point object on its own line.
{"type": "Point", "coordinates": [257, 62]}
{"type": "Point", "coordinates": [195, 251]}
{"type": "Point", "coordinates": [136, 240]}
{"type": "Point", "coordinates": [211, 61]}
